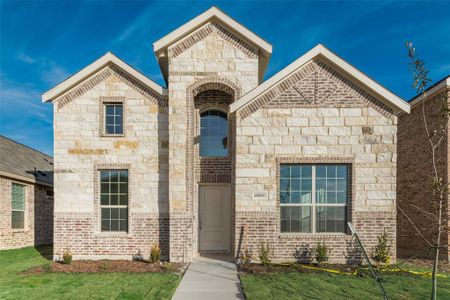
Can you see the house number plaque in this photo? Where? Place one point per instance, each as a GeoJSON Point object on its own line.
{"type": "Point", "coordinates": [264, 195]}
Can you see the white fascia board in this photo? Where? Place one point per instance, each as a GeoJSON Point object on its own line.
{"type": "Point", "coordinates": [180, 32]}
{"type": "Point", "coordinates": [432, 90]}
{"type": "Point", "coordinates": [391, 99]}
{"type": "Point", "coordinates": [100, 63]}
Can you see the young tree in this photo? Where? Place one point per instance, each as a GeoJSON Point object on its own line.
{"type": "Point", "coordinates": [437, 133]}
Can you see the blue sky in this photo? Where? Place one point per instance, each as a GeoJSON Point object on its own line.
{"type": "Point", "coordinates": [44, 42]}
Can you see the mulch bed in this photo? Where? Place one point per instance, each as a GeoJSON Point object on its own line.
{"type": "Point", "coordinates": [294, 267]}
{"type": "Point", "coordinates": [108, 266]}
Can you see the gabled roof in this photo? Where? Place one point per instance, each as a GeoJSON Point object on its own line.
{"type": "Point", "coordinates": [431, 90]}
{"type": "Point", "coordinates": [94, 67]}
{"type": "Point", "coordinates": [375, 88]}
{"type": "Point", "coordinates": [22, 162]}
{"type": "Point", "coordinates": [160, 46]}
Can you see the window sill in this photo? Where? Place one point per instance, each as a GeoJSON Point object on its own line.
{"type": "Point", "coordinates": [112, 135]}
{"type": "Point", "coordinates": [121, 234]}
{"type": "Point", "coordinates": [313, 235]}
{"type": "Point", "coordinates": [16, 230]}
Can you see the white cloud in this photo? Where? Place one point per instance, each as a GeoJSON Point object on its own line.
{"type": "Point", "coordinates": [25, 58]}
{"type": "Point", "coordinates": [54, 75]}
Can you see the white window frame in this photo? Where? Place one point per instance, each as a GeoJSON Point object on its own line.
{"type": "Point", "coordinates": [313, 203]}
{"type": "Point", "coordinates": [105, 130]}
{"type": "Point", "coordinates": [24, 205]}
{"type": "Point", "coordinates": [113, 206]}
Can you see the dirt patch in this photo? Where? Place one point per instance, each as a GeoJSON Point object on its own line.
{"type": "Point", "coordinates": [108, 266]}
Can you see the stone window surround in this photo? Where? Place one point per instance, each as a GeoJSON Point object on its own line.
{"type": "Point", "coordinates": [97, 209]}
{"type": "Point", "coordinates": [113, 100]}
{"type": "Point", "coordinates": [316, 160]}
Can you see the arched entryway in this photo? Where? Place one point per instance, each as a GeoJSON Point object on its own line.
{"type": "Point", "coordinates": [210, 165]}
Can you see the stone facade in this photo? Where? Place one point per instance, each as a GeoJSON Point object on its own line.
{"type": "Point", "coordinates": [415, 195]}
{"type": "Point", "coordinates": [81, 150]}
{"type": "Point", "coordinates": [212, 59]}
{"type": "Point", "coordinates": [38, 227]}
{"type": "Point", "coordinates": [319, 117]}
{"type": "Point", "coordinates": [315, 115]}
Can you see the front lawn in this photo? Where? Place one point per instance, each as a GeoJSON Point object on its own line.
{"type": "Point", "coordinates": [48, 285]}
{"type": "Point", "coordinates": [323, 285]}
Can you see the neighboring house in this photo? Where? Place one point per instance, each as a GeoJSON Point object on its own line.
{"type": "Point", "coordinates": [221, 161]}
{"type": "Point", "coordinates": [26, 196]}
{"type": "Point", "coordinates": [415, 170]}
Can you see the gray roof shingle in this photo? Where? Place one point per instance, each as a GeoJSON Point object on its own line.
{"type": "Point", "coordinates": [24, 161]}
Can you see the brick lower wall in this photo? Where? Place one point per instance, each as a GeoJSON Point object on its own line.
{"type": "Point", "coordinates": [77, 233]}
{"type": "Point", "coordinates": [415, 195]}
{"type": "Point", "coordinates": [38, 228]}
{"type": "Point", "coordinates": [254, 228]}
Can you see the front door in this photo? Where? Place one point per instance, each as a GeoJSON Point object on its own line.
{"type": "Point", "coordinates": [214, 217]}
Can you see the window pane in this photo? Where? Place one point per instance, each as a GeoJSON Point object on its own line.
{"type": "Point", "coordinates": [285, 171]}
{"type": "Point", "coordinates": [106, 225]}
{"type": "Point", "coordinates": [104, 199]}
{"type": "Point", "coordinates": [17, 219]}
{"type": "Point", "coordinates": [18, 197]}
{"type": "Point", "coordinates": [213, 134]}
{"type": "Point", "coordinates": [295, 219]}
{"type": "Point", "coordinates": [114, 118]}
{"type": "Point", "coordinates": [331, 184]}
{"type": "Point", "coordinates": [114, 191]}
{"type": "Point", "coordinates": [285, 197]}
{"type": "Point", "coordinates": [331, 219]}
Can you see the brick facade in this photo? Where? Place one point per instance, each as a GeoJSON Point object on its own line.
{"type": "Point", "coordinates": [415, 195]}
{"type": "Point", "coordinates": [38, 228]}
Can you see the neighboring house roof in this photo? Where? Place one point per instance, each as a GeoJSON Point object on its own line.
{"type": "Point", "coordinates": [375, 88]}
{"type": "Point", "coordinates": [94, 67]}
{"type": "Point", "coordinates": [213, 14]}
{"type": "Point", "coordinates": [24, 163]}
{"type": "Point", "coordinates": [444, 82]}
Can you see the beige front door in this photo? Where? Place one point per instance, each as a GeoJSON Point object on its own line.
{"type": "Point", "coordinates": [214, 217]}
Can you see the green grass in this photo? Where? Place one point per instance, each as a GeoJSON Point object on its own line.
{"type": "Point", "coordinates": [334, 286]}
{"type": "Point", "coordinates": [14, 285]}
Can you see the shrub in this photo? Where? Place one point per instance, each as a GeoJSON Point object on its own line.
{"type": "Point", "coordinates": [264, 254]}
{"type": "Point", "coordinates": [321, 253]}
{"type": "Point", "coordinates": [67, 257]}
{"type": "Point", "coordinates": [155, 253]}
{"type": "Point", "coordinates": [381, 251]}
{"type": "Point", "coordinates": [138, 256]}
{"type": "Point", "coordinates": [245, 257]}
{"type": "Point", "coordinates": [167, 266]}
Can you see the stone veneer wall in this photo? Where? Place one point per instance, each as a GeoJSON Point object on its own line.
{"type": "Point", "coordinates": [414, 171]}
{"type": "Point", "coordinates": [211, 58]}
{"type": "Point", "coordinates": [316, 115]}
{"type": "Point", "coordinates": [38, 229]}
{"type": "Point", "coordinates": [81, 150]}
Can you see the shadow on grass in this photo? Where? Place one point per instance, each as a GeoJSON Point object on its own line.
{"type": "Point", "coordinates": [46, 251]}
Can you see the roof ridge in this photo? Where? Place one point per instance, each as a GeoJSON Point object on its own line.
{"type": "Point", "coordinates": [26, 146]}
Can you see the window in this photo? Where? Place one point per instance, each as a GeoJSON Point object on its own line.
{"type": "Point", "coordinates": [313, 198]}
{"type": "Point", "coordinates": [114, 200]}
{"type": "Point", "coordinates": [114, 118]}
{"type": "Point", "coordinates": [18, 206]}
{"type": "Point", "coordinates": [213, 133]}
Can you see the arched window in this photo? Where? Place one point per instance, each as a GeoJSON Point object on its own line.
{"type": "Point", "coordinates": [213, 133]}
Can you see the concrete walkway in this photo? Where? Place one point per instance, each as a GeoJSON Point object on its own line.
{"type": "Point", "coordinates": [208, 278]}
